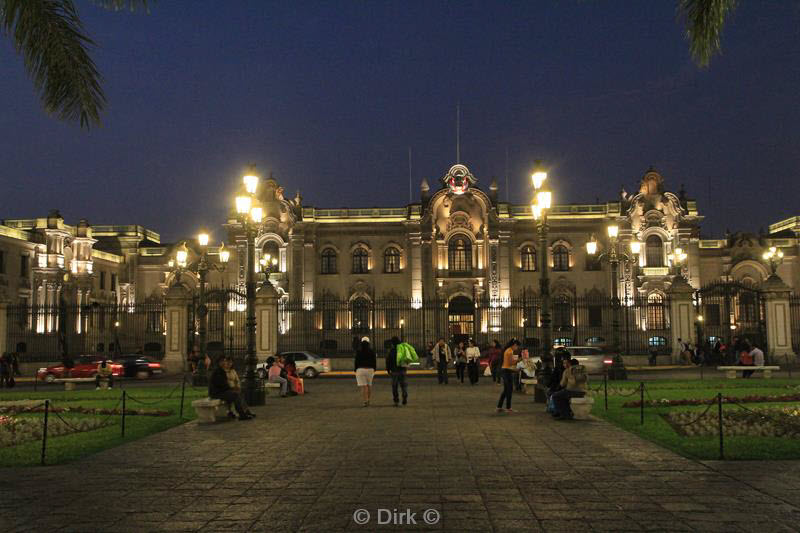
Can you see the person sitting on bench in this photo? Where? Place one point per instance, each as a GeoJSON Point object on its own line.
{"type": "Point", "coordinates": [218, 388]}
{"type": "Point", "coordinates": [104, 373]}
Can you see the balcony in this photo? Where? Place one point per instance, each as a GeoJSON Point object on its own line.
{"type": "Point", "coordinates": [655, 271]}
{"type": "Point", "coordinates": [452, 274]}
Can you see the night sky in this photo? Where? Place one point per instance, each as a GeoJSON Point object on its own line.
{"type": "Point", "coordinates": [329, 96]}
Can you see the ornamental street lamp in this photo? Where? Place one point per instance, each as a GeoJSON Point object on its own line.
{"type": "Point", "coordinates": [250, 216]}
{"type": "Point", "coordinates": [678, 257]}
{"type": "Point", "coordinates": [774, 258]}
{"type": "Point", "coordinates": [540, 205]}
{"type": "Point", "coordinates": [614, 257]}
{"type": "Point", "coordinates": [203, 266]}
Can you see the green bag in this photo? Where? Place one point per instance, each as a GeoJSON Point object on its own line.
{"type": "Point", "coordinates": [406, 354]}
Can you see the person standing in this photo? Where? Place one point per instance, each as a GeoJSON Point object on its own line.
{"type": "Point", "coordinates": [507, 373]}
{"type": "Point", "coordinates": [365, 365]}
{"type": "Point", "coordinates": [443, 356]}
{"type": "Point", "coordinates": [397, 372]}
{"type": "Point", "coordinates": [461, 361]}
{"type": "Point", "coordinates": [473, 359]}
{"type": "Point", "coordinates": [429, 355]}
{"type": "Point", "coordinates": [495, 361]}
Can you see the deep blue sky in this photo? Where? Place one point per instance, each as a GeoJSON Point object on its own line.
{"type": "Point", "coordinates": [330, 95]}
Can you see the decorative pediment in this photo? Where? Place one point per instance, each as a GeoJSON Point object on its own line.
{"type": "Point", "coordinates": [458, 220]}
{"type": "Point", "coordinates": [458, 179]}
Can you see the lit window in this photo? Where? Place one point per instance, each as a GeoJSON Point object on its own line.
{"type": "Point", "coordinates": [560, 258]}
{"type": "Point", "coordinates": [655, 311]}
{"type": "Point", "coordinates": [391, 260]}
{"type": "Point", "coordinates": [360, 261]}
{"type": "Point", "coordinates": [528, 259]}
{"type": "Point", "coordinates": [654, 251]}
{"type": "Point", "coordinates": [459, 255]}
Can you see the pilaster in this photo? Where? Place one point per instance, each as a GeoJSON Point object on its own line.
{"type": "Point", "coordinates": [778, 319]}
{"type": "Point", "coordinates": [266, 321]}
{"type": "Point", "coordinates": [682, 315]}
{"type": "Point", "coordinates": [177, 300]}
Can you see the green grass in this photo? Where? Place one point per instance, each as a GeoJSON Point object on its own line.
{"type": "Point", "coordinates": [658, 430]}
{"type": "Point", "coordinates": [74, 446]}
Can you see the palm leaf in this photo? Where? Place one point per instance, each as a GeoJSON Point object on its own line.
{"type": "Point", "coordinates": [119, 5]}
{"type": "Point", "coordinates": [50, 37]}
{"type": "Point", "coordinates": [704, 20]}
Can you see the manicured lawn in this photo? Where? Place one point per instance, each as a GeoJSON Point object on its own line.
{"type": "Point", "coordinates": [658, 430]}
{"type": "Point", "coordinates": [76, 445]}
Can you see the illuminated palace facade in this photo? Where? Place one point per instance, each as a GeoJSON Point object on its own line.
{"type": "Point", "coordinates": [459, 245]}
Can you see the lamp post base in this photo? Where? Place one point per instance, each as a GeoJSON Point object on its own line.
{"type": "Point", "coordinates": [254, 393]}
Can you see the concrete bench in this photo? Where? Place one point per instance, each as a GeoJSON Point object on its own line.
{"type": "Point", "coordinates": [207, 409]}
{"type": "Point", "coordinates": [69, 383]}
{"type": "Point", "coordinates": [269, 385]}
{"type": "Point", "coordinates": [526, 382]}
{"type": "Point", "coordinates": [730, 371]}
{"type": "Point", "coordinates": [581, 407]}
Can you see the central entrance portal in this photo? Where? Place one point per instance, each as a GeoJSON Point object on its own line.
{"type": "Point", "coordinates": [461, 318]}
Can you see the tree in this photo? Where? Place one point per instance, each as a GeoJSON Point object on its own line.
{"type": "Point", "coordinates": [48, 34]}
{"type": "Point", "coordinates": [704, 20]}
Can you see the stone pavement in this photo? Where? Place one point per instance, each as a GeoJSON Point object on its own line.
{"type": "Point", "coordinates": [308, 463]}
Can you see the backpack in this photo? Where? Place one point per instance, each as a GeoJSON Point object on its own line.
{"type": "Point", "coordinates": [406, 354]}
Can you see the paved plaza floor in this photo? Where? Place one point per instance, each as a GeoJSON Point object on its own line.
{"type": "Point", "coordinates": [309, 463]}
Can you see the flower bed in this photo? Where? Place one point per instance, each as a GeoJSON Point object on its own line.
{"type": "Point", "coordinates": [706, 401]}
{"type": "Point", "coordinates": [758, 422]}
{"type": "Point", "coordinates": [16, 430]}
{"type": "Point", "coordinates": [17, 409]}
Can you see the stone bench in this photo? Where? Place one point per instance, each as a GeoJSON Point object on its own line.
{"type": "Point", "coordinates": [69, 383]}
{"type": "Point", "coordinates": [730, 371]}
{"type": "Point", "coordinates": [268, 385]}
{"type": "Point", "coordinates": [526, 382]}
{"type": "Point", "coordinates": [207, 409]}
{"type": "Point", "coordinates": [581, 407]}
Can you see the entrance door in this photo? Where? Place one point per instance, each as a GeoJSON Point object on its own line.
{"type": "Point", "coordinates": [461, 318]}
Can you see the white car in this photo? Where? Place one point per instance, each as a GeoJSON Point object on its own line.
{"type": "Point", "coordinates": [308, 364]}
{"type": "Point", "coordinates": [593, 358]}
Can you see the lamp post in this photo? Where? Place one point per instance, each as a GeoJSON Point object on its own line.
{"type": "Point", "coordinates": [203, 267]}
{"type": "Point", "coordinates": [613, 256]}
{"type": "Point", "coordinates": [250, 216]}
{"type": "Point", "coordinates": [540, 206]}
{"type": "Point", "coordinates": [774, 258]}
{"type": "Point", "coordinates": [678, 257]}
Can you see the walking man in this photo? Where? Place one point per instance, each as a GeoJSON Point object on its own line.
{"type": "Point", "coordinates": [443, 356]}
{"type": "Point", "coordinates": [398, 373]}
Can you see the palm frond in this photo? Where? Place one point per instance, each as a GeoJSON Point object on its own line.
{"type": "Point", "coordinates": [119, 5]}
{"type": "Point", "coordinates": [704, 20]}
{"type": "Point", "coordinates": [50, 37]}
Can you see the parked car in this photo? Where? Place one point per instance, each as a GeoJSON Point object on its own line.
{"type": "Point", "coordinates": [85, 367]}
{"type": "Point", "coordinates": [593, 358]}
{"type": "Point", "coordinates": [138, 366]}
{"type": "Point", "coordinates": [308, 364]}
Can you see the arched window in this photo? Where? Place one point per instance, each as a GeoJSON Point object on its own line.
{"type": "Point", "coordinates": [560, 258]}
{"type": "Point", "coordinates": [528, 259]}
{"type": "Point", "coordinates": [654, 251]}
{"type": "Point", "coordinates": [655, 311]}
{"type": "Point", "coordinates": [328, 261]}
{"type": "Point", "coordinates": [459, 254]}
{"type": "Point", "coordinates": [360, 261]}
{"type": "Point", "coordinates": [391, 260]}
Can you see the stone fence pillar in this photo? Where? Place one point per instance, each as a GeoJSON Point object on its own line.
{"type": "Point", "coordinates": [682, 315]}
{"type": "Point", "coordinates": [176, 308]}
{"type": "Point", "coordinates": [266, 321]}
{"type": "Point", "coordinates": [3, 325]}
{"type": "Point", "coordinates": [778, 320]}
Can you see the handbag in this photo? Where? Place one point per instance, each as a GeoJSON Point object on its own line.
{"type": "Point", "coordinates": [488, 371]}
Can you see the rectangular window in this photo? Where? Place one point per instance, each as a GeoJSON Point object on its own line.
{"type": "Point", "coordinates": [113, 282]}
{"type": "Point", "coordinates": [23, 266]}
{"type": "Point", "coordinates": [2, 262]}
{"type": "Point", "coordinates": [102, 280]}
{"type": "Point", "coordinates": [595, 315]}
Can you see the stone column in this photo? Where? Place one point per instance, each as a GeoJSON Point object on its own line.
{"type": "Point", "coordinates": [266, 321]}
{"type": "Point", "coordinates": [176, 308]}
{"type": "Point", "coordinates": [778, 320]}
{"type": "Point", "coordinates": [681, 315]}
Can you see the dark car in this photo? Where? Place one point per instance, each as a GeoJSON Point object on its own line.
{"type": "Point", "coordinates": [138, 366]}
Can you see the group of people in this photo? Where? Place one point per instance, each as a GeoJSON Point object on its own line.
{"type": "Point", "coordinates": [224, 384]}
{"type": "Point", "coordinates": [9, 367]}
{"type": "Point", "coordinates": [366, 363]}
{"type": "Point", "coordinates": [740, 351]}
{"type": "Point", "coordinates": [283, 370]}
{"type": "Point", "coordinates": [464, 356]}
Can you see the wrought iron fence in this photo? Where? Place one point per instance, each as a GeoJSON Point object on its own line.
{"type": "Point", "coordinates": [732, 309]}
{"type": "Point", "coordinates": [45, 333]}
{"type": "Point", "coordinates": [332, 326]}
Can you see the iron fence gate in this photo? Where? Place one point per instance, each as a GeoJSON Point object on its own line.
{"type": "Point", "coordinates": [46, 333]}
{"type": "Point", "coordinates": [332, 326]}
{"type": "Point", "coordinates": [732, 309]}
